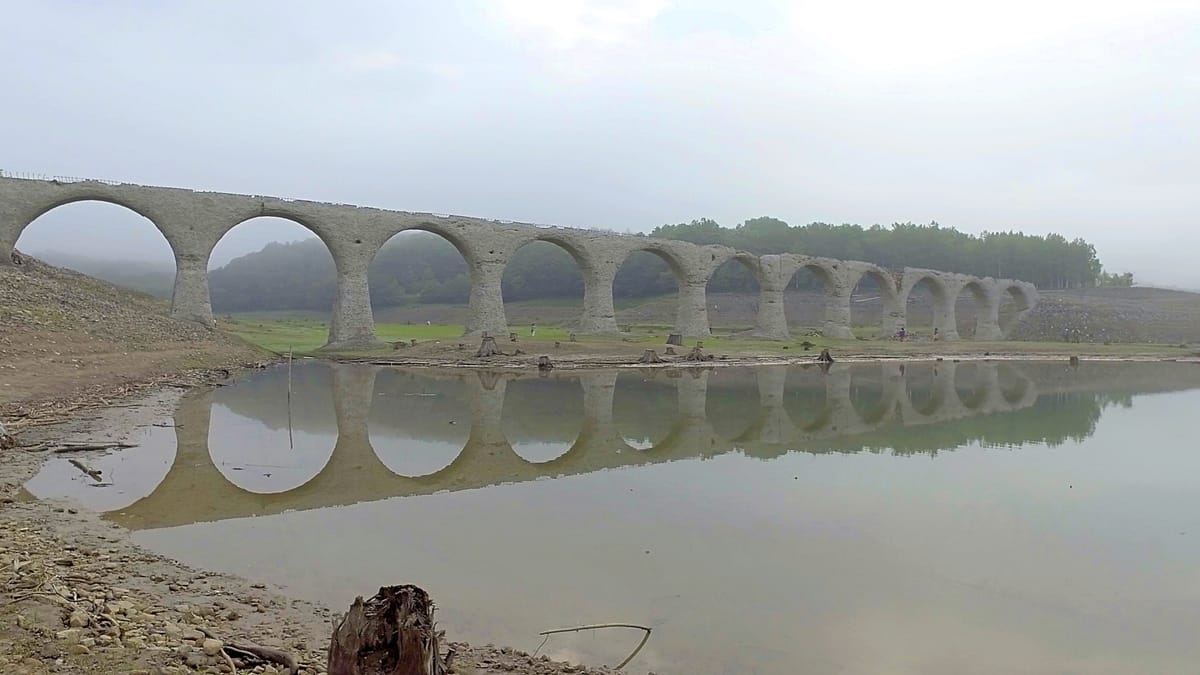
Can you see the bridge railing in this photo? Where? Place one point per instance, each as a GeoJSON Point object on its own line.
{"type": "Point", "coordinates": [5, 173]}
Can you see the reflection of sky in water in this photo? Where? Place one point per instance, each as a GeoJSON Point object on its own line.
{"type": "Point", "coordinates": [540, 452]}
{"type": "Point", "coordinates": [1074, 554]}
{"type": "Point", "coordinates": [261, 459]}
{"type": "Point", "coordinates": [126, 476]}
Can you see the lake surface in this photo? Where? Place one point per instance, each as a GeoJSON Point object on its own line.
{"type": "Point", "coordinates": [885, 518]}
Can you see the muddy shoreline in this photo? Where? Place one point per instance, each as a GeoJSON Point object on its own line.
{"type": "Point", "coordinates": [82, 597]}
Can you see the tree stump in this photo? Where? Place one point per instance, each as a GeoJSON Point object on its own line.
{"type": "Point", "coordinates": [572, 338]}
{"type": "Point", "coordinates": [825, 357]}
{"type": "Point", "coordinates": [650, 356]}
{"type": "Point", "coordinates": [675, 339]}
{"type": "Point", "coordinates": [512, 337]}
{"type": "Point", "coordinates": [670, 351]}
{"type": "Point", "coordinates": [488, 347]}
{"type": "Point", "coordinates": [697, 354]}
{"type": "Point", "coordinates": [544, 363]}
{"type": "Point", "coordinates": [392, 633]}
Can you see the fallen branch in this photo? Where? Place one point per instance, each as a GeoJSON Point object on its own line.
{"type": "Point", "coordinates": [84, 447]}
{"type": "Point", "coordinates": [596, 626]}
{"type": "Point", "coordinates": [93, 473]}
{"type": "Point", "coordinates": [256, 654]}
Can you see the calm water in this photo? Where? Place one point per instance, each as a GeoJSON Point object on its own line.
{"type": "Point", "coordinates": [920, 518]}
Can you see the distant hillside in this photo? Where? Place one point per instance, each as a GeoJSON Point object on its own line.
{"type": "Point", "coordinates": [154, 278]}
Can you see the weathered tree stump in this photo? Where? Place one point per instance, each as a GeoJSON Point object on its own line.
{"type": "Point", "coordinates": [488, 347]}
{"type": "Point", "coordinates": [670, 351]}
{"type": "Point", "coordinates": [825, 357]}
{"type": "Point", "coordinates": [572, 338]}
{"type": "Point", "coordinates": [512, 337]}
{"type": "Point", "coordinates": [544, 363]}
{"type": "Point", "coordinates": [392, 633]}
{"type": "Point", "coordinates": [697, 354]}
{"type": "Point", "coordinates": [675, 339]}
{"type": "Point", "coordinates": [650, 356]}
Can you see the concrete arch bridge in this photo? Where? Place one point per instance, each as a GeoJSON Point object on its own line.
{"type": "Point", "coordinates": [194, 221]}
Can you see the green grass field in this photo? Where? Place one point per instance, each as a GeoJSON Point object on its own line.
{"type": "Point", "coordinates": [282, 333]}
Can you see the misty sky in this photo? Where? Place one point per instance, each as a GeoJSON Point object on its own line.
{"type": "Point", "coordinates": [1079, 117]}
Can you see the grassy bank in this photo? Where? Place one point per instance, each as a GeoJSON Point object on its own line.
{"type": "Point", "coordinates": [305, 335]}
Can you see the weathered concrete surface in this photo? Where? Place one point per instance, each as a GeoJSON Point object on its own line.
{"type": "Point", "coordinates": [193, 222]}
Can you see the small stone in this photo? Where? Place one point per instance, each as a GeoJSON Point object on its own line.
{"type": "Point", "coordinates": [79, 619]}
{"type": "Point", "coordinates": [78, 650]}
{"type": "Point", "coordinates": [212, 647]}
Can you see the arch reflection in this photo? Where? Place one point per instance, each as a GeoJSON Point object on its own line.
{"type": "Point", "coordinates": [603, 420]}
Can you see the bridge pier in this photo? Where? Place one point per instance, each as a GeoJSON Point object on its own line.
{"type": "Point", "coordinates": [599, 314]}
{"type": "Point", "coordinates": [190, 301]}
{"type": "Point", "coordinates": [691, 316]}
{"type": "Point", "coordinates": [353, 324]}
{"type": "Point", "coordinates": [837, 308]}
{"type": "Point", "coordinates": [987, 322]}
{"type": "Point", "coordinates": [772, 282]}
{"type": "Point", "coordinates": [485, 308]}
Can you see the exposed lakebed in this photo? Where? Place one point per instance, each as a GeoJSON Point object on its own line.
{"type": "Point", "coordinates": [922, 517]}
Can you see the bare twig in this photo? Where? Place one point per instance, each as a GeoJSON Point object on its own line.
{"type": "Point", "coordinates": [576, 629]}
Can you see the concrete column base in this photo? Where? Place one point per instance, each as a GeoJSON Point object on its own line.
{"type": "Point", "coordinates": [691, 318]}
{"type": "Point", "coordinates": [190, 301]}
{"type": "Point", "coordinates": [772, 320]}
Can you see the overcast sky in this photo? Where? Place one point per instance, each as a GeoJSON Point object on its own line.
{"type": "Point", "coordinates": [1078, 117]}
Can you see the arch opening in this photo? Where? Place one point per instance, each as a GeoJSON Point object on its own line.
{"type": "Point", "coordinates": [260, 445]}
{"type": "Point", "coordinates": [970, 386]}
{"type": "Point", "coordinates": [920, 385]}
{"type": "Point", "coordinates": [407, 424]}
{"type": "Point", "coordinates": [105, 240]}
{"type": "Point", "coordinates": [542, 287]}
{"type": "Point", "coordinates": [731, 403]}
{"type": "Point", "coordinates": [1014, 305]}
{"type": "Point", "coordinates": [922, 310]}
{"type": "Point", "coordinates": [645, 408]}
{"type": "Point", "coordinates": [645, 290]}
{"type": "Point", "coordinates": [869, 394]}
{"type": "Point", "coordinates": [804, 300]}
{"type": "Point", "coordinates": [420, 286]}
{"type": "Point", "coordinates": [805, 398]}
{"type": "Point", "coordinates": [971, 307]}
{"type": "Point", "coordinates": [871, 301]}
{"type": "Point", "coordinates": [732, 295]}
{"type": "Point", "coordinates": [543, 417]}
{"type": "Point", "coordinates": [273, 268]}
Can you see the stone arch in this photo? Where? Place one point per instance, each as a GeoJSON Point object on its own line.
{"type": "Point", "coordinates": [227, 295]}
{"type": "Point", "coordinates": [973, 308]}
{"type": "Point", "coordinates": [44, 220]}
{"type": "Point", "coordinates": [827, 275]}
{"type": "Point", "coordinates": [875, 303]}
{"type": "Point", "coordinates": [743, 272]}
{"type": "Point", "coordinates": [930, 314]}
{"type": "Point", "coordinates": [572, 284]}
{"type": "Point", "coordinates": [416, 268]}
{"type": "Point", "coordinates": [1013, 302]}
{"type": "Point", "coordinates": [641, 257]}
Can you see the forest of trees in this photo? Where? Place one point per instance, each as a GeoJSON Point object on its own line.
{"type": "Point", "coordinates": [424, 268]}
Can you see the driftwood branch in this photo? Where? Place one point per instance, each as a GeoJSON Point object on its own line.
{"type": "Point", "coordinates": [250, 655]}
{"type": "Point", "coordinates": [597, 626]}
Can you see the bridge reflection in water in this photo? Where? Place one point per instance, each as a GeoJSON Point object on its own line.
{"type": "Point", "coordinates": [688, 498]}
{"type": "Point", "coordinates": [510, 428]}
